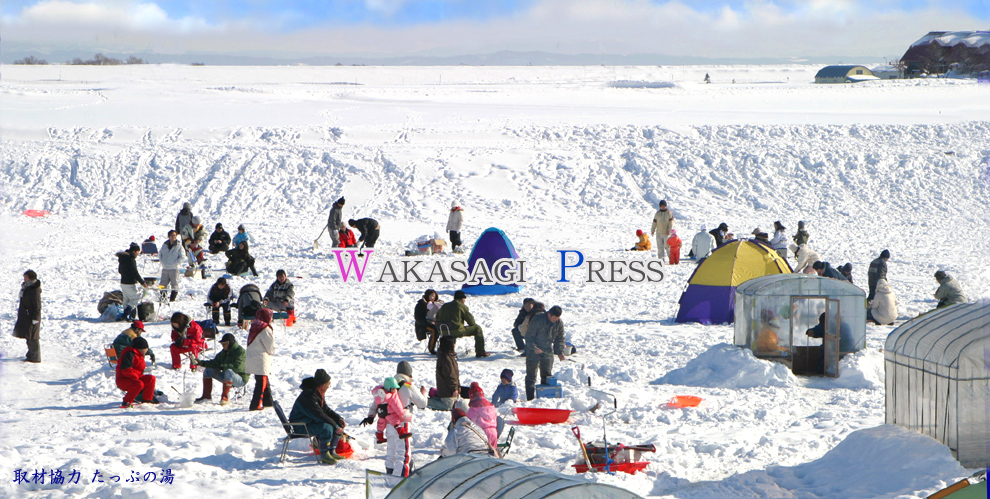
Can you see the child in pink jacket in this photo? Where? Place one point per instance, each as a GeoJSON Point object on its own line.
{"type": "Point", "coordinates": [482, 413]}
{"type": "Point", "coordinates": [398, 452]}
{"type": "Point", "coordinates": [379, 394]}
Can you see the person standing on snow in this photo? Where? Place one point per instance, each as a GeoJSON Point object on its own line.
{"type": "Point", "coordinates": [28, 325]}
{"type": "Point", "coordinates": [398, 436]}
{"type": "Point", "coordinates": [702, 244]}
{"type": "Point", "coordinates": [674, 243]}
{"type": "Point", "coordinates": [544, 338]}
{"type": "Point", "coordinates": [663, 221]}
{"type": "Point", "coordinates": [369, 229]}
{"type": "Point", "coordinates": [335, 223]}
{"type": "Point", "coordinates": [171, 255]}
{"type": "Point", "coordinates": [184, 217]}
{"type": "Point", "coordinates": [801, 236]}
{"type": "Point", "coordinates": [877, 271]}
{"type": "Point", "coordinates": [131, 281]}
{"type": "Point", "coordinates": [410, 396]}
{"type": "Point", "coordinates": [517, 334]}
{"type": "Point", "coordinates": [260, 349]}
{"type": "Point", "coordinates": [455, 221]}
{"type": "Point", "coordinates": [779, 241]}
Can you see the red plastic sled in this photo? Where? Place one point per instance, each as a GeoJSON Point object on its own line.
{"type": "Point", "coordinates": [682, 401]}
{"type": "Point", "coordinates": [535, 416]}
{"type": "Point", "coordinates": [36, 213]}
{"type": "Point", "coordinates": [630, 468]}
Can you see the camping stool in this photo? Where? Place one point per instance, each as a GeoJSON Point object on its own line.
{"type": "Point", "coordinates": [294, 431]}
{"type": "Point", "coordinates": [111, 353]}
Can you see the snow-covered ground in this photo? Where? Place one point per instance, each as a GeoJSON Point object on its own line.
{"type": "Point", "coordinates": [573, 157]}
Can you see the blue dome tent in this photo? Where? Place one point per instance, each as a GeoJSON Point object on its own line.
{"type": "Point", "coordinates": [492, 246]}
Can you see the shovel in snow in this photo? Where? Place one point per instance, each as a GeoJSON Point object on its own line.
{"type": "Point", "coordinates": [316, 242]}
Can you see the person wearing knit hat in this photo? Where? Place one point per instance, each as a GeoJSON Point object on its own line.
{"type": "Point", "coordinates": [506, 391]}
{"type": "Point", "coordinates": [483, 413]}
{"type": "Point", "coordinates": [242, 236]}
{"type": "Point", "coordinates": [877, 271]}
{"type": "Point", "coordinates": [644, 243]}
{"type": "Point", "coordinates": [311, 408]}
{"type": "Point", "coordinates": [335, 223]}
{"type": "Point", "coordinates": [455, 222]}
{"type": "Point", "coordinates": [219, 240]}
{"type": "Point", "coordinates": [130, 375]}
{"type": "Point", "coordinates": [227, 367]}
{"type": "Point", "coordinates": [465, 437]}
{"type": "Point", "coordinates": [127, 337]}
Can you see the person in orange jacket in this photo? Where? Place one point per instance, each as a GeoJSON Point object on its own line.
{"type": "Point", "coordinates": [674, 243]}
{"type": "Point", "coordinates": [644, 242]}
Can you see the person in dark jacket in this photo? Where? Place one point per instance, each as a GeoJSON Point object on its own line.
{"type": "Point", "coordinates": [311, 408]}
{"type": "Point", "coordinates": [801, 236]}
{"type": "Point", "coordinates": [719, 233]}
{"type": "Point", "coordinates": [335, 223]}
{"type": "Point", "coordinates": [28, 325]}
{"type": "Point", "coordinates": [219, 240]}
{"type": "Point", "coordinates": [185, 215]}
{"type": "Point", "coordinates": [454, 315]}
{"type": "Point", "coordinates": [130, 374]}
{"type": "Point", "coordinates": [423, 325]}
{"type": "Point", "coordinates": [248, 303]}
{"type": "Point", "coordinates": [239, 260]}
{"type": "Point", "coordinates": [127, 337]}
{"type": "Point", "coordinates": [369, 229]}
{"type": "Point", "coordinates": [517, 335]}
{"type": "Point", "coordinates": [877, 271]}
{"type": "Point", "coordinates": [227, 367]}
{"type": "Point", "coordinates": [825, 269]}
{"type": "Point", "coordinates": [281, 295]}
{"type": "Point", "coordinates": [448, 376]}
{"type": "Point", "coordinates": [219, 297]}
{"type": "Point", "coordinates": [847, 272]}
{"type": "Point", "coordinates": [544, 339]}
{"type": "Point", "coordinates": [131, 281]}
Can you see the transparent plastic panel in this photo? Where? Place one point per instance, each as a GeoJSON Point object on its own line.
{"type": "Point", "coordinates": [974, 424]}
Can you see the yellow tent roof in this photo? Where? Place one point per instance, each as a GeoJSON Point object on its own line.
{"type": "Point", "coordinates": [737, 262]}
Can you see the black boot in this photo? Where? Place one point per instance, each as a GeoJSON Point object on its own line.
{"type": "Point", "coordinates": [216, 316]}
{"type": "Point", "coordinates": [226, 319]}
{"type": "Point", "coordinates": [172, 296]}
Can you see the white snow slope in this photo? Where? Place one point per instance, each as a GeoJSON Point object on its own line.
{"type": "Point", "coordinates": [556, 157]}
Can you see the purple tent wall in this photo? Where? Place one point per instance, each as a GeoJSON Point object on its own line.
{"type": "Point", "coordinates": [491, 246]}
{"type": "Point", "coordinates": [707, 304]}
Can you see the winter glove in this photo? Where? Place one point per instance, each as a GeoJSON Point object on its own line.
{"type": "Point", "coordinates": [152, 356]}
{"type": "Point", "coordinates": [34, 323]}
{"type": "Point", "coordinates": [367, 421]}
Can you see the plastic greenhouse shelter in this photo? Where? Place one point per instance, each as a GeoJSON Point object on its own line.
{"type": "Point", "coordinates": [479, 476]}
{"type": "Point", "coordinates": [938, 379]}
{"type": "Point", "coordinates": [774, 312]}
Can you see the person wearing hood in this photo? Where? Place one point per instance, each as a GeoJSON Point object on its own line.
{"type": "Point", "coordinates": [219, 240]}
{"type": "Point", "coordinates": [483, 413]}
{"type": "Point", "coordinates": [824, 269]}
{"type": "Point", "coordinates": [465, 437]}
{"type": "Point", "coordinates": [703, 244]}
{"type": "Point", "coordinates": [227, 367]}
{"type": "Point", "coordinates": [127, 337]}
{"type": "Point", "coordinates": [171, 255]}
{"type": "Point", "coordinates": [219, 296]}
{"type": "Point", "coordinates": [644, 243]}
{"type": "Point", "coordinates": [506, 391]}
{"type": "Point", "coordinates": [260, 349]}
{"type": "Point", "coordinates": [663, 221]}
{"type": "Point", "coordinates": [674, 245]}
{"type": "Point", "coordinates": [28, 324]}
{"type": "Point", "coordinates": [321, 421]}
{"type": "Point", "coordinates": [335, 222]}
{"type": "Point", "coordinates": [184, 216]}
{"type": "Point", "coordinates": [779, 241]}
{"type": "Point", "coordinates": [130, 375]}
{"type": "Point", "coordinates": [190, 233]}
{"type": "Point", "coordinates": [877, 271]}
{"type": "Point", "coordinates": [239, 260]}
{"type": "Point", "coordinates": [949, 291]}
{"type": "Point", "coordinates": [242, 236]}
{"type": "Point", "coordinates": [883, 307]}
{"type": "Point", "coordinates": [369, 229]}
{"type": "Point", "coordinates": [131, 281]}
{"type": "Point", "coordinates": [187, 337]}
{"type": "Point", "coordinates": [801, 236]}
{"type": "Point", "coordinates": [806, 257]}
{"type": "Point", "coordinates": [455, 222]}
{"type": "Point", "coordinates": [846, 271]}
{"type": "Point", "coordinates": [719, 233]}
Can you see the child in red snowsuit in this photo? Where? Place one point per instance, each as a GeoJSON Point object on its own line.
{"type": "Point", "coordinates": [130, 374]}
{"type": "Point", "coordinates": [674, 243]}
{"type": "Point", "coordinates": [187, 337]}
{"type": "Point", "coordinates": [347, 239]}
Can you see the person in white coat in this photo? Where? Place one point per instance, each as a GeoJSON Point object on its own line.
{"type": "Point", "coordinates": [455, 222]}
{"type": "Point", "coordinates": [806, 258]}
{"type": "Point", "coordinates": [663, 221]}
{"type": "Point", "coordinates": [779, 241]}
{"type": "Point", "coordinates": [260, 348]}
{"type": "Point", "coordinates": [465, 437]}
{"type": "Point", "coordinates": [883, 307]}
{"type": "Point", "coordinates": [171, 254]}
{"type": "Point", "coordinates": [703, 244]}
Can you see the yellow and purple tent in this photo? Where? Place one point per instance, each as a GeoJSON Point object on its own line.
{"type": "Point", "coordinates": [711, 293]}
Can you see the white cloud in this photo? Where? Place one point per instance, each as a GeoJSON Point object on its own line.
{"type": "Point", "coordinates": [54, 15]}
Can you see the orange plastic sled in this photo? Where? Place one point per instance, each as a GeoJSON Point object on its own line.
{"type": "Point", "coordinates": [36, 213]}
{"type": "Point", "coordinates": [682, 401]}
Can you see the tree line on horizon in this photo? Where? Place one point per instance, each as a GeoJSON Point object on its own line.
{"type": "Point", "coordinates": [97, 60]}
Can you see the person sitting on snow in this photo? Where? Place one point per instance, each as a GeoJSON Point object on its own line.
{"type": "Point", "coordinates": [196, 253]}
{"type": "Point", "coordinates": [192, 232]}
{"type": "Point", "coordinates": [644, 243]}
{"type": "Point", "coordinates": [127, 337]}
{"type": "Point", "coordinates": [702, 244]}
{"type": "Point", "coordinates": [883, 306]}
{"type": "Point", "coordinates": [465, 437]}
{"type": "Point", "coordinates": [239, 260]}
{"type": "Point", "coordinates": [321, 421]}
{"type": "Point", "coordinates": [187, 337]}
{"type": "Point", "coordinates": [219, 240]}
{"type": "Point", "coordinates": [281, 296]}
{"type": "Point", "coordinates": [130, 374]}
{"type": "Point", "coordinates": [506, 391]}
{"type": "Point", "coordinates": [949, 291]}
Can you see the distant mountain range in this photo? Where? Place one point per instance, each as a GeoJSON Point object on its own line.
{"type": "Point", "coordinates": [503, 58]}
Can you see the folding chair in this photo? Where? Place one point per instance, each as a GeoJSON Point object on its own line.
{"type": "Point", "coordinates": [505, 447]}
{"type": "Point", "coordinates": [111, 353]}
{"type": "Point", "coordinates": [294, 431]}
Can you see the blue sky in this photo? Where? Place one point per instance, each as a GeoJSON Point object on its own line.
{"type": "Point", "coordinates": [706, 28]}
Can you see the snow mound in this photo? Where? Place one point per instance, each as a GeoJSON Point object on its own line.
{"type": "Point", "coordinates": [728, 366]}
{"type": "Point", "coordinates": [860, 371]}
{"type": "Point", "coordinates": [886, 461]}
{"type": "Point", "coordinates": [641, 84]}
